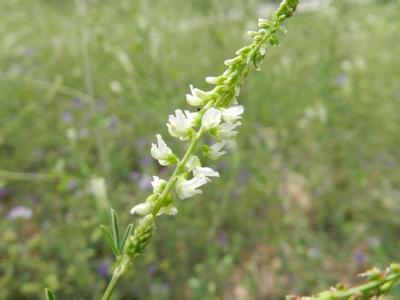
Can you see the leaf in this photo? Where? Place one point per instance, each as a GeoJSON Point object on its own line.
{"type": "Point", "coordinates": [109, 240]}
{"type": "Point", "coordinates": [49, 294]}
{"type": "Point", "coordinates": [127, 233]}
{"type": "Point", "coordinates": [115, 229]}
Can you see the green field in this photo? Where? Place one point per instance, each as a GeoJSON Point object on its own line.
{"type": "Point", "coordinates": [309, 196]}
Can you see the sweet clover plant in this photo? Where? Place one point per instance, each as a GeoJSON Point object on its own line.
{"type": "Point", "coordinates": [216, 114]}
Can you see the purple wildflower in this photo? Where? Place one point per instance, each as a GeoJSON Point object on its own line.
{"type": "Point", "coordinates": [67, 117]}
{"type": "Point", "coordinates": [360, 256]}
{"type": "Point", "coordinates": [244, 176]}
{"type": "Point", "coordinates": [3, 192]}
{"type": "Point", "coordinates": [152, 270]}
{"type": "Point", "coordinates": [103, 268]}
{"type": "Point", "coordinates": [222, 239]}
{"type": "Point", "coordinates": [341, 79]}
{"type": "Point", "coordinates": [72, 185]}
{"type": "Point", "coordinates": [141, 143]}
{"type": "Point", "coordinates": [77, 102]}
{"type": "Point", "coordinates": [20, 211]}
{"type": "Point", "coordinates": [145, 182]}
{"type": "Point", "coordinates": [314, 252]}
{"type": "Point", "coordinates": [35, 198]}
{"type": "Point", "coordinates": [113, 122]}
{"type": "Point", "coordinates": [147, 161]}
{"type": "Point", "coordinates": [135, 176]}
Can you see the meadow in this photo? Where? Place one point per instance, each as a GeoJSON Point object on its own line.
{"type": "Point", "coordinates": [308, 197]}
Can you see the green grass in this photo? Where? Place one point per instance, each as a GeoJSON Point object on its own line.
{"type": "Point", "coordinates": [311, 196]}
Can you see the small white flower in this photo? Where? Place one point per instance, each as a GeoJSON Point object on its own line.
{"type": "Point", "coordinates": [192, 163]}
{"type": "Point", "coordinates": [197, 96]}
{"type": "Point", "coordinates": [142, 209]}
{"type": "Point", "coordinates": [179, 125]}
{"type": "Point", "coordinates": [205, 172]}
{"type": "Point", "coordinates": [158, 184]}
{"type": "Point", "coordinates": [211, 118]}
{"type": "Point", "coordinates": [232, 113]}
{"type": "Point", "coordinates": [225, 131]}
{"type": "Point", "coordinates": [188, 188]}
{"type": "Point", "coordinates": [161, 152]}
{"type": "Point", "coordinates": [214, 152]}
{"type": "Point", "coordinates": [168, 210]}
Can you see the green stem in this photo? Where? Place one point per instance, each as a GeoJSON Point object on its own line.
{"type": "Point", "coordinates": [118, 273]}
{"type": "Point", "coordinates": [361, 289]}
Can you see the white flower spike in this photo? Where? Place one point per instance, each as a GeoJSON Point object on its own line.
{"type": "Point", "coordinates": [232, 113]}
{"type": "Point", "coordinates": [180, 125]}
{"type": "Point", "coordinates": [188, 188]}
{"type": "Point", "coordinates": [162, 153]}
{"type": "Point", "coordinates": [211, 118]}
{"type": "Point", "coordinates": [197, 96]}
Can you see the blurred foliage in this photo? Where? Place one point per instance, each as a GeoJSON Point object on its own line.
{"type": "Point", "coordinates": [310, 198]}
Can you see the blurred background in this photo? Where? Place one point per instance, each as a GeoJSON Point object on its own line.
{"type": "Point", "coordinates": [310, 197]}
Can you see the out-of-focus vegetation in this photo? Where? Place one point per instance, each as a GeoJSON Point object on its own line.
{"type": "Point", "coordinates": [311, 196]}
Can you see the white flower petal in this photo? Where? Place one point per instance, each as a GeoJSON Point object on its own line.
{"type": "Point", "coordinates": [158, 184]}
{"type": "Point", "coordinates": [211, 118]}
{"type": "Point", "coordinates": [214, 152]}
{"type": "Point", "coordinates": [197, 96]}
{"type": "Point", "coordinates": [205, 172]}
{"type": "Point", "coordinates": [168, 210]}
{"type": "Point", "coordinates": [192, 163]}
{"type": "Point", "coordinates": [225, 131]}
{"type": "Point", "coordinates": [232, 113]}
{"type": "Point", "coordinates": [179, 125]}
{"type": "Point", "coordinates": [188, 188]}
{"type": "Point", "coordinates": [161, 152]}
{"type": "Point", "coordinates": [142, 209]}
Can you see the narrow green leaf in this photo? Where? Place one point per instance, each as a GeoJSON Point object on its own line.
{"type": "Point", "coordinates": [109, 240]}
{"type": "Point", "coordinates": [49, 294]}
{"type": "Point", "coordinates": [115, 229]}
{"type": "Point", "coordinates": [127, 233]}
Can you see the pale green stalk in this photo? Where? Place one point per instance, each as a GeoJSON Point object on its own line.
{"type": "Point", "coordinates": [379, 284]}
{"type": "Point", "coordinates": [222, 95]}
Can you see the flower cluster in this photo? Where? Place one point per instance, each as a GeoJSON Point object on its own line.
{"type": "Point", "coordinates": [218, 115]}
{"type": "Point", "coordinates": [220, 123]}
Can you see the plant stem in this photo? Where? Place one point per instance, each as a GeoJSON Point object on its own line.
{"type": "Point", "coordinates": [118, 273]}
